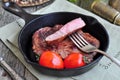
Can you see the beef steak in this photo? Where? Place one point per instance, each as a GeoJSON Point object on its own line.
{"type": "Point", "coordinates": [65, 47]}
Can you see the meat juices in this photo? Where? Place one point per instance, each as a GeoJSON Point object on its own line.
{"type": "Point", "coordinates": [61, 45]}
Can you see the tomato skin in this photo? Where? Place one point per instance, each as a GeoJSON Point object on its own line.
{"type": "Point", "coordinates": [51, 60]}
{"type": "Point", "coordinates": [74, 60]}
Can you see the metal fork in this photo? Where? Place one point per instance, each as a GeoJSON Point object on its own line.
{"type": "Point", "coordinates": [85, 46]}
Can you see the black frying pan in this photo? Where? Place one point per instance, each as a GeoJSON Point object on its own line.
{"type": "Point", "coordinates": [34, 22]}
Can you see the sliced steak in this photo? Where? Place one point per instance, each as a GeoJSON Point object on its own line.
{"type": "Point", "coordinates": [67, 29]}
{"type": "Point", "coordinates": [38, 41]}
{"type": "Point", "coordinates": [38, 38]}
{"type": "Point", "coordinates": [65, 47]}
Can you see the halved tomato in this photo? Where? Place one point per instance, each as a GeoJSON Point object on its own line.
{"type": "Point", "coordinates": [74, 60]}
{"type": "Point", "coordinates": [51, 60]}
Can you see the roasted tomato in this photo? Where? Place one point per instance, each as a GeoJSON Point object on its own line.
{"type": "Point", "coordinates": [74, 60]}
{"type": "Point", "coordinates": [51, 60]}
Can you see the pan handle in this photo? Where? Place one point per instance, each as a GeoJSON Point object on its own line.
{"type": "Point", "coordinates": [17, 10]}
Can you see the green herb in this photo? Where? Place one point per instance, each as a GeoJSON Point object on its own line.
{"type": "Point", "coordinates": [86, 59]}
{"type": "Point", "coordinates": [73, 1]}
{"type": "Point", "coordinates": [37, 57]}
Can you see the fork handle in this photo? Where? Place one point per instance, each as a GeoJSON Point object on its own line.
{"type": "Point", "coordinates": [113, 59]}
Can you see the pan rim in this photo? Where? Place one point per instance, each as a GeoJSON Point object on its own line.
{"type": "Point", "coordinates": [93, 62]}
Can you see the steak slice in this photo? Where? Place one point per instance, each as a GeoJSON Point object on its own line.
{"type": "Point", "coordinates": [38, 38]}
{"type": "Point", "coordinates": [38, 41]}
{"type": "Point", "coordinates": [67, 29]}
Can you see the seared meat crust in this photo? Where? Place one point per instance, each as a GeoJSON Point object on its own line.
{"type": "Point", "coordinates": [65, 47]}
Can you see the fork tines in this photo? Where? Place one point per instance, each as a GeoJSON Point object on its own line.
{"type": "Point", "coordinates": [78, 39]}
